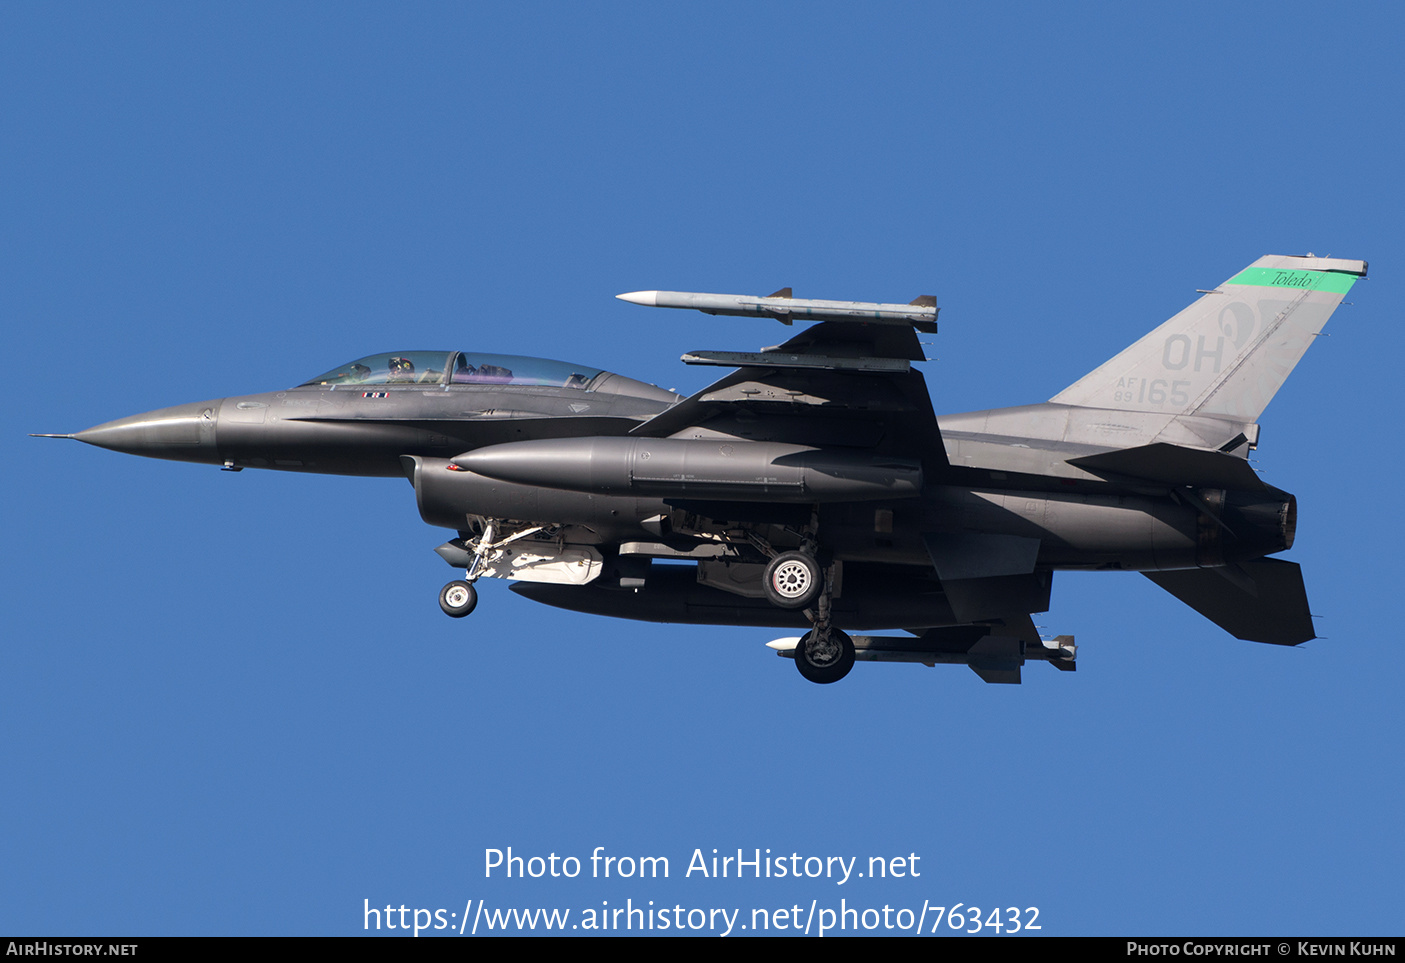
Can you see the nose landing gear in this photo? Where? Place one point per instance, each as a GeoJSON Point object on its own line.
{"type": "Point", "coordinates": [458, 598]}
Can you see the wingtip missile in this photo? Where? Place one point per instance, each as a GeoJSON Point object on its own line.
{"type": "Point", "coordinates": [921, 313]}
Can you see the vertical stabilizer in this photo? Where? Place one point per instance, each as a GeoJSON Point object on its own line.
{"type": "Point", "coordinates": [1228, 353]}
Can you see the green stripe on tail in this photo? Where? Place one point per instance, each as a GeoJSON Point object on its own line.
{"type": "Point", "coordinates": [1334, 281]}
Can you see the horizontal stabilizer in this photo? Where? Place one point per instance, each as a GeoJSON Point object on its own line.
{"type": "Point", "coordinates": [1278, 613]}
{"type": "Point", "coordinates": [1175, 465]}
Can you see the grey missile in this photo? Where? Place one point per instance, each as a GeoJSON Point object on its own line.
{"type": "Point", "coordinates": [677, 467]}
{"type": "Point", "coordinates": [921, 313]}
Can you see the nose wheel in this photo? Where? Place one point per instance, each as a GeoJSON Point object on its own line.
{"type": "Point", "coordinates": [458, 598]}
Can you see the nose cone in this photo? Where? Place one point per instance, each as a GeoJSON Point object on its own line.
{"type": "Point", "coordinates": [182, 433]}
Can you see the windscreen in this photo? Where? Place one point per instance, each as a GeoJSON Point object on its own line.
{"type": "Point", "coordinates": [458, 368]}
{"type": "Point", "coordinates": [392, 368]}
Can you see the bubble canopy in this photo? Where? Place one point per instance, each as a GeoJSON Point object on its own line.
{"type": "Point", "coordinates": [456, 368]}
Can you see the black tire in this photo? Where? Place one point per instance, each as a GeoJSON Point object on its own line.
{"type": "Point", "coordinates": [792, 580]}
{"type": "Point", "coordinates": [458, 598]}
{"type": "Point", "coordinates": [823, 664]}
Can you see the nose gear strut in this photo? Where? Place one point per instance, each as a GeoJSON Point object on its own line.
{"type": "Point", "coordinates": [459, 597]}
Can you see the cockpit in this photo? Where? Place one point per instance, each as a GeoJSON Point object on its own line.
{"type": "Point", "coordinates": [457, 368]}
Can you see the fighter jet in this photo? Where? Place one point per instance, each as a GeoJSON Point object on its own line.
{"type": "Point", "coordinates": [813, 487]}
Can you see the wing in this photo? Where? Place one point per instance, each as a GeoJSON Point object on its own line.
{"type": "Point", "coordinates": [849, 383]}
{"type": "Point", "coordinates": [840, 383]}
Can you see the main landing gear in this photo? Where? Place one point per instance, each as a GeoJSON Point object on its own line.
{"type": "Point", "coordinates": [792, 580]}
{"type": "Point", "coordinates": [824, 654]}
{"type": "Point", "coordinates": [795, 580]}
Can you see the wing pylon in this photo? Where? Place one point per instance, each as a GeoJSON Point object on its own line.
{"type": "Point", "coordinates": [846, 381]}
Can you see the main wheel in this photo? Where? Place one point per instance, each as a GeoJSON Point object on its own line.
{"type": "Point", "coordinates": [824, 657]}
{"type": "Point", "coordinates": [792, 580]}
{"type": "Point", "coordinates": [458, 598]}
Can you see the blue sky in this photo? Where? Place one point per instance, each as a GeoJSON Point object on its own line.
{"type": "Point", "coordinates": [231, 705]}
